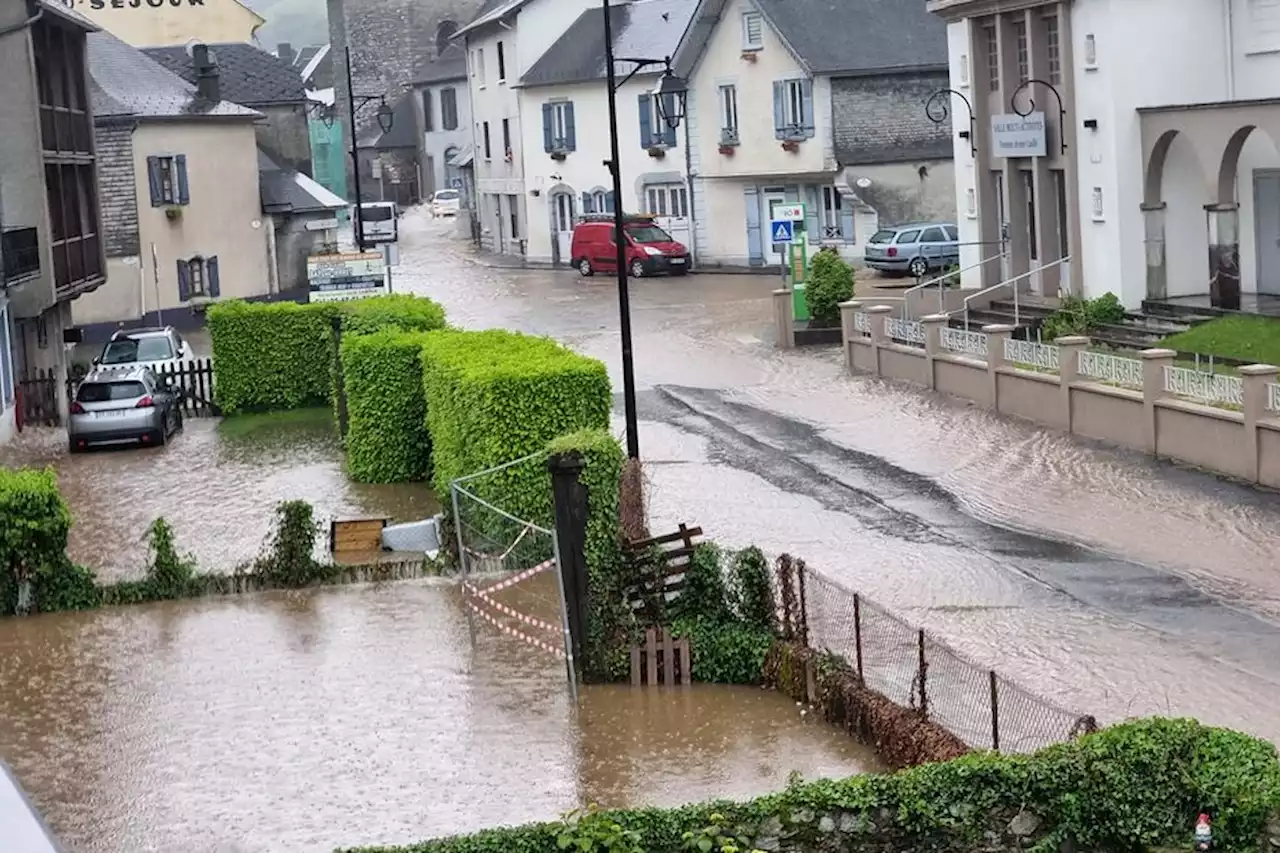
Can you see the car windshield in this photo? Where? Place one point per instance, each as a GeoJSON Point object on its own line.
{"type": "Point", "coordinates": [376, 214]}
{"type": "Point", "coordinates": [883, 237]}
{"type": "Point", "coordinates": [129, 350]}
{"type": "Point", "coordinates": [648, 234]}
{"type": "Point", "coordinates": [447, 195]}
{"type": "Point", "coordinates": [105, 392]}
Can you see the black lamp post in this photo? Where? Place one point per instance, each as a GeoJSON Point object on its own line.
{"type": "Point", "coordinates": [672, 92]}
{"type": "Point", "coordinates": [386, 118]}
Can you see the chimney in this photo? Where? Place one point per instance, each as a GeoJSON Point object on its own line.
{"type": "Point", "coordinates": [206, 73]}
{"type": "Point", "coordinates": [284, 50]}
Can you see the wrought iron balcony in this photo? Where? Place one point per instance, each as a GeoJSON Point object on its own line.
{"type": "Point", "coordinates": [21, 253]}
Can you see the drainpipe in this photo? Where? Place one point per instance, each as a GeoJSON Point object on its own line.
{"type": "Point", "coordinates": [1231, 50]}
{"type": "Point", "coordinates": [688, 171]}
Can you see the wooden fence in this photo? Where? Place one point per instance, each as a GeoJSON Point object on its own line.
{"type": "Point", "coordinates": [39, 398]}
{"type": "Point", "coordinates": [195, 379]}
{"type": "Point", "coordinates": [662, 659]}
{"type": "Point", "coordinates": [660, 564]}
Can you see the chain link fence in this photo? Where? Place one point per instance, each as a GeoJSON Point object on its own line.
{"type": "Point", "coordinates": [913, 669]}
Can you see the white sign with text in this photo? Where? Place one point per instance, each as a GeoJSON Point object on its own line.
{"type": "Point", "coordinates": [1019, 136]}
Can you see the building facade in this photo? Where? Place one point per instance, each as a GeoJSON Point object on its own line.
{"type": "Point", "coordinates": [443, 102]}
{"type": "Point", "coordinates": [146, 23]}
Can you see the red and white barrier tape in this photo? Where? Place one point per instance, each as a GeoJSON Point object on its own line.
{"type": "Point", "coordinates": [531, 621]}
{"type": "Point", "coordinates": [519, 635]}
{"type": "Point", "coordinates": [516, 578]}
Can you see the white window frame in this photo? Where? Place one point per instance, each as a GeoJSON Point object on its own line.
{"type": "Point", "coordinates": [600, 201]}
{"type": "Point", "coordinates": [729, 112]}
{"type": "Point", "coordinates": [501, 59]}
{"type": "Point", "coordinates": [752, 21]}
{"type": "Point", "coordinates": [793, 105]}
{"type": "Point", "coordinates": [167, 170]}
{"type": "Point", "coordinates": [480, 75]}
{"type": "Point", "coordinates": [832, 214]}
{"type": "Point", "coordinates": [197, 277]}
{"type": "Point", "coordinates": [560, 123]}
{"type": "Point", "coordinates": [668, 200]}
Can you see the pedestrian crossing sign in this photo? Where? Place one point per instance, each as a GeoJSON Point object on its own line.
{"type": "Point", "coordinates": [783, 230]}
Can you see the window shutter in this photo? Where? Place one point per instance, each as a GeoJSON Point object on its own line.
{"type": "Point", "coordinates": [586, 203]}
{"type": "Point", "coordinates": [755, 248]}
{"type": "Point", "coordinates": [780, 109]}
{"type": "Point", "coordinates": [846, 224]}
{"type": "Point", "coordinates": [180, 167]}
{"type": "Point", "coordinates": [806, 88]}
{"type": "Point", "coordinates": [609, 202]}
{"type": "Point", "coordinates": [184, 281]}
{"type": "Point", "coordinates": [153, 180]}
{"type": "Point", "coordinates": [428, 124]}
{"type": "Point", "coordinates": [668, 132]}
{"type": "Point", "coordinates": [211, 276]}
{"type": "Point", "coordinates": [811, 223]}
{"type": "Point", "coordinates": [571, 140]}
{"type": "Point", "coordinates": [548, 127]}
{"type": "Point", "coordinates": [646, 130]}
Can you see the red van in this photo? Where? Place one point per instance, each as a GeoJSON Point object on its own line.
{"type": "Point", "coordinates": [650, 250]}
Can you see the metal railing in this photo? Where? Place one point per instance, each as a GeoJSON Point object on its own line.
{"type": "Point", "coordinates": [904, 331]}
{"type": "Point", "coordinates": [941, 282]}
{"type": "Point", "coordinates": [1111, 368]}
{"type": "Point", "coordinates": [1032, 354]}
{"type": "Point", "coordinates": [1011, 282]}
{"type": "Point", "coordinates": [1273, 397]}
{"type": "Point", "coordinates": [1216, 389]}
{"type": "Point", "coordinates": [963, 343]}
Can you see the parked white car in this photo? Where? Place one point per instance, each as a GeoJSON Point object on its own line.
{"type": "Point", "coordinates": [446, 203]}
{"type": "Point", "coordinates": [149, 347]}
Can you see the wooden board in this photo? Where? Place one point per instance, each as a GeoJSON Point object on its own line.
{"type": "Point", "coordinates": [362, 534]}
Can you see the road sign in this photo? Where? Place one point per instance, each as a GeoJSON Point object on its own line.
{"type": "Point", "coordinates": [782, 230]}
{"type": "Point", "coordinates": [455, 183]}
{"type": "Point", "coordinates": [790, 212]}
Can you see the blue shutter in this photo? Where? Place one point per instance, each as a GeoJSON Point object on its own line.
{"type": "Point", "coordinates": [184, 281]}
{"type": "Point", "coordinates": [608, 202]}
{"type": "Point", "coordinates": [571, 135]}
{"type": "Point", "coordinates": [211, 276]}
{"type": "Point", "coordinates": [180, 168]}
{"type": "Point", "coordinates": [846, 222]}
{"type": "Point", "coordinates": [646, 130]}
{"type": "Point", "coordinates": [153, 181]}
{"type": "Point", "coordinates": [755, 249]}
{"type": "Point", "coordinates": [668, 109]}
{"type": "Point", "coordinates": [806, 90]}
{"type": "Point", "coordinates": [812, 198]}
{"type": "Point", "coordinates": [780, 109]}
{"type": "Point", "coordinates": [548, 121]}
{"type": "Point", "coordinates": [586, 203]}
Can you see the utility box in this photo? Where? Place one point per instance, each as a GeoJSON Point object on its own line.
{"type": "Point", "coordinates": [797, 263]}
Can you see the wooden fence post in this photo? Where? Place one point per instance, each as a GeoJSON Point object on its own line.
{"type": "Point", "coordinates": [570, 498]}
{"type": "Point", "coordinates": [857, 631]}
{"type": "Point", "coordinates": [995, 712]}
{"type": "Point", "coordinates": [803, 605]}
{"type": "Point", "coordinates": [924, 668]}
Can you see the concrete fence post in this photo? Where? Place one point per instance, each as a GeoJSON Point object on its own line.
{"type": "Point", "coordinates": [996, 334]}
{"type": "Point", "coordinates": [877, 314]}
{"type": "Point", "coordinates": [933, 326]}
{"type": "Point", "coordinates": [1255, 378]}
{"type": "Point", "coordinates": [1069, 349]}
{"type": "Point", "coordinates": [847, 332]}
{"type": "Point", "coordinates": [784, 318]}
{"type": "Point", "coordinates": [1154, 361]}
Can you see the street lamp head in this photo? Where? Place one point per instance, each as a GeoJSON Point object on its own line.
{"type": "Point", "coordinates": [386, 118]}
{"type": "Point", "coordinates": [672, 94]}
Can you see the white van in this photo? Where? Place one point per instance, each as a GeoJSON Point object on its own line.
{"type": "Point", "coordinates": [378, 220]}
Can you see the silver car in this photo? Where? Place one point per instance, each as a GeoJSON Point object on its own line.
{"type": "Point", "coordinates": [124, 405]}
{"type": "Point", "coordinates": [150, 347]}
{"type": "Point", "coordinates": [914, 249]}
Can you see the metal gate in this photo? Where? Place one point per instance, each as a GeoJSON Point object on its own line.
{"type": "Point", "coordinates": [510, 570]}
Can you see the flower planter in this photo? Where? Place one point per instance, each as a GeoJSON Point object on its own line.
{"type": "Point", "coordinates": [173, 213]}
{"type": "Point", "coordinates": [791, 145]}
{"type": "Point", "coordinates": [727, 150]}
{"type": "Point", "coordinates": [559, 156]}
{"type": "Point", "coordinates": [657, 153]}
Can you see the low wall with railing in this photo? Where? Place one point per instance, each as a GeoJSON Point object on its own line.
{"type": "Point", "coordinates": [1225, 423]}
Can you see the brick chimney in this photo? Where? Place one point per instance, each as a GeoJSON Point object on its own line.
{"type": "Point", "coordinates": [206, 66]}
{"type": "Point", "coordinates": [284, 50]}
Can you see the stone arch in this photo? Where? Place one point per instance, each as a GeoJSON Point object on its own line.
{"type": "Point", "coordinates": [444, 33]}
{"type": "Point", "coordinates": [1153, 187]}
{"type": "Point", "coordinates": [1227, 169]}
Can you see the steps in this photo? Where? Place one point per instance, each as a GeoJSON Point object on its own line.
{"type": "Point", "coordinates": [1029, 314]}
{"type": "Point", "coordinates": [1138, 331]}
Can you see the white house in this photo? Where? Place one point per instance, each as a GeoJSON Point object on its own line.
{"type": "Point", "coordinates": [564, 102]}
{"type": "Point", "coordinates": [1159, 178]}
{"type": "Point", "coordinates": [813, 102]}
{"type": "Point", "coordinates": [444, 115]}
{"type": "Point", "coordinates": [503, 41]}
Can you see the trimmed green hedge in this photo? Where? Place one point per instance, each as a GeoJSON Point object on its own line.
{"type": "Point", "coordinates": [1129, 787]}
{"type": "Point", "coordinates": [280, 355]}
{"type": "Point", "coordinates": [34, 571]}
{"type": "Point", "coordinates": [496, 396]}
{"type": "Point", "coordinates": [387, 439]}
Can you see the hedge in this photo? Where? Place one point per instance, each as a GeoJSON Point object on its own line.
{"type": "Point", "coordinates": [387, 439]}
{"type": "Point", "coordinates": [34, 571]}
{"type": "Point", "coordinates": [1129, 787]}
{"type": "Point", "coordinates": [280, 355]}
{"type": "Point", "coordinates": [495, 396]}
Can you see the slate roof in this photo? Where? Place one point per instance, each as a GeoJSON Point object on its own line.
{"type": "Point", "coordinates": [249, 75]}
{"type": "Point", "coordinates": [286, 191]}
{"type": "Point", "coordinates": [71, 16]}
{"type": "Point", "coordinates": [647, 28]}
{"type": "Point", "coordinates": [126, 84]}
{"type": "Point", "coordinates": [449, 65]}
{"type": "Point", "coordinates": [490, 11]}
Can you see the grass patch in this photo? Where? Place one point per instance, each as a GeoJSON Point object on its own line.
{"type": "Point", "coordinates": [318, 418]}
{"type": "Point", "coordinates": [1247, 338]}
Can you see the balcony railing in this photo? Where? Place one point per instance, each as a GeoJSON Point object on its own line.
{"type": "Point", "coordinates": [21, 252]}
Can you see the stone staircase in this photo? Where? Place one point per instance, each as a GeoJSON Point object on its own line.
{"type": "Point", "coordinates": [1138, 330]}
{"type": "Point", "coordinates": [1030, 313]}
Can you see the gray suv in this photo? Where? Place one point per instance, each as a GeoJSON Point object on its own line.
{"type": "Point", "coordinates": [916, 249]}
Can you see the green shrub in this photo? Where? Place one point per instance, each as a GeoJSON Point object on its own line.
{"type": "Point", "coordinates": [829, 283]}
{"type": "Point", "coordinates": [387, 439]}
{"type": "Point", "coordinates": [169, 575]}
{"type": "Point", "coordinates": [290, 557]}
{"type": "Point", "coordinates": [752, 590]}
{"type": "Point", "coordinates": [33, 537]}
{"type": "Point", "coordinates": [705, 595]}
{"type": "Point", "coordinates": [396, 311]}
{"type": "Point", "coordinates": [1076, 316]}
{"type": "Point", "coordinates": [724, 652]}
{"type": "Point", "coordinates": [495, 396]}
{"type": "Point", "coordinates": [1127, 788]}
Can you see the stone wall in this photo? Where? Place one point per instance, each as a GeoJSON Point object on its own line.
{"type": "Point", "coordinates": [117, 189]}
{"type": "Point", "coordinates": [285, 136]}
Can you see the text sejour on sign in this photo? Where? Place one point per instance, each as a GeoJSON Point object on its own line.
{"type": "Point", "coordinates": [1019, 136]}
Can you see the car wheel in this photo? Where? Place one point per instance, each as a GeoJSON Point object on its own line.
{"type": "Point", "coordinates": [919, 267]}
{"type": "Point", "coordinates": [637, 268]}
{"type": "Point", "coordinates": [584, 267]}
{"type": "Point", "coordinates": [72, 447]}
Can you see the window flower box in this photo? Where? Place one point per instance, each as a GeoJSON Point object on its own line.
{"type": "Point", "coordinates": [657, 152]}
{"type": "Point", "coordinates": [792, 145]}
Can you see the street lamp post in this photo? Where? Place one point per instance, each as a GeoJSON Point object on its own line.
{"type": "Point", "coordinates": [385, 120]}
{"type": "Point", "coordinates": [673, 91]}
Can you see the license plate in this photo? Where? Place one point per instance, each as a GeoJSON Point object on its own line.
{"type": "Point", "coordinates": [677, 260]}
{"type": "Point", "coordinates": [117, 413]}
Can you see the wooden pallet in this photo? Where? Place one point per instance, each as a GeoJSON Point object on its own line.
{"type": "Point", "coordinates": [661, 660]}
{"type": "Point", "coordinates": [664, 579]}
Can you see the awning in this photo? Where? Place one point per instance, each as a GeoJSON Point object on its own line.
{"type": "Point", "coordinates": [464, 157]}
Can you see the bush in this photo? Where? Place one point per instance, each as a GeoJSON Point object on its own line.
{"type": "Point", "coordinates": [724, 652]}
{"type": "Point", "coordinates": [169, 575]}
{"type": "Point", "coordinates": [33, 538]}
{"type": "Point", "coordinates": [1077, 316]}
{"type": "Point", "coordinates": [290, 558]}
{"type": "Point", "coordinates": [752, 590]}
{"type": "Point", "coordinates": [1130, 787]}
{"type": "Point", "coordinates": [396, 311]}
{"type": "Point", "coordinates": [496, 396]}
{"type": "Point", "coordinates": [387, 440]}
{"type": "Point", "coordinates": [705, 595]}
{"type": "Point", "coordinates": [830, 282]}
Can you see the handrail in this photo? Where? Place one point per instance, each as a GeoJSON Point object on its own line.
{"type": "Point", "coordinates": [906, 294]}
{"type": "Point", "coordinates": [1005, 283]}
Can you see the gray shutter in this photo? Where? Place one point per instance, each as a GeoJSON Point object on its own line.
{"type": "Point", "coordinates": [180, 168]}
{"type": "Point", "coordinates": [609, 201]}
{"type": "Point", "coordinates": [548, 121]}
{"type": "Point", "coordinates": [211, 276]}
{"type": "Point", "coordinates": [812, 198]}
{"type": "Point", "coordinates": [755, 248]}
{"type": "Point", "coordinates": [153, 181]}
{"type": "Point", "coordinates": [428, 118]}
{"type": "Point", "coordinates": [184, 281]}
{"type": "Point", "coordinates": [646, 130]}
{"type": "Point", "coordinates": [586, 203]}
{"type": "Point", "coordinates": [806, 89]}
{"type": "Point", "coordinates": [846, 222]}
{"type": "Point", "coordinates": [668, 109]}
{"type": "Point", "coordinates": [780, 109]}
{"type": "Point", "coordinates": [571, 142]}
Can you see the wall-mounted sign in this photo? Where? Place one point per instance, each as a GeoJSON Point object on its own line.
{"type": "Point", "coordinates": [132, 4]}
{"type": "Point", "coordinates": [1019, 136]}
{"type": "Point", "coordinates": [790, 212]}
{"type": "Point", "coordinates": [321, 224]}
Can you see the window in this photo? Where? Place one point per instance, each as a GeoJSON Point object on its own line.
{"type": "Point", "coordinates": [513, 204]}
{"type": "Point", "coordinates": [793, 109]}
{"type": "Point", "coordinates": [506, 139]}
{"type": "Point", "coordinates": [558, 134]}
{"type": "Point", "coordinates": [488, 149]}
{"type": "Point", "coordinates": [1090, 51]}
{"type": "Point", "coordinates": [502, 64]}
{"type": "Point", "coordinates": [72, 195]}
{"type": "Point", "coordinates": [933, 235]}
{"type": "Point", "coordinates": [728, 114]}
{"type": "Point", "coordinates": [1024, 58]}
{"type": "Point", "coordinates": [444, 33]}
{"type": "Point", "coordinates": [1033, 241]}
{"type": "Point", "coordinates": [643, 233]}
{"type": "Point", "coordinates": [654, 130]}
{"type": "Point", "coordinates": [752, 31]}
{"type": "Point", "coordinates": [993, 57]}
{"type": "Point", "coordinates": [106, 392]}
{"type": "Point", "coordinates": [6, 360]}
{"type": "Point", "coordinates": [198, 277]}
{"type": "Point", "coordinates": [141, 348]}
{"type": "Point", "coordinates": [479, 66]}
{"type": "Point", "coordinates": [167, 178]}
{"type": "Point", "coordinates": [195, 268]}
{"type": "Point", "coordinates": [600, 202]}
{"type": "Point", "coordinates": [668, 200]}
{"type": "Point", "coordinates": [428, 118]}
{"type": "Point", "coordinates": [1053, 48]}
{"type": "Point", "coordinates": [836, 223]}
{"type": "Point", "coordinates": [448, 109]}
{"type": "Point", "coordinates": [953, 233]}
{"type": "Point", "coordinates": [906, 237]}
{"type": "Point", "coordinates": [882, 237]}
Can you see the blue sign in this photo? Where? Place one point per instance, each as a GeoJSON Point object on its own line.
{"type": "Point", "coordinates": [782, 230]}
{"type": "Point", "coordinates": [455, 183]}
